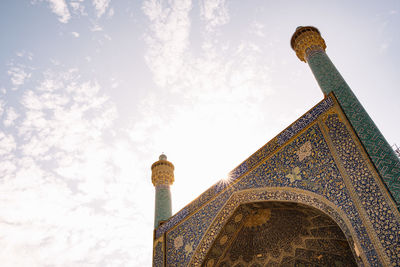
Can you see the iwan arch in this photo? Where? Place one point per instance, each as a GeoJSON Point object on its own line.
{"type": "Point", "coordinates": [323, 192]}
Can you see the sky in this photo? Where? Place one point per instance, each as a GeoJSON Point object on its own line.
{"type": "Point", "coordinates": [93, 91]}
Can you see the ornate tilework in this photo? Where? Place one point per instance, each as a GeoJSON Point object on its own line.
{"type": "Point", "coordinates": [158, 258]}
{"type": "Point", "coordinates": [305, 120]}
{"type": "Point", "coordinates": [384, 222]}
{"type": "Point", "coordinates": [203, 198]}
{"type": "Point", "coordinates": [163, 204]}
{"type": "Point", "coordinates": [251, 162]}
{"type": "Point", "coordinates": [174, 220]}
{"type": "Point", "coordinates": [191, 230]}
{"type": "Point", "coordinates": [281, 232]}
{"type": "Point", "coordinates": [382, 155]}
{"type": "Point", "coordinates": [272, 194]}
{"type": "Point", "coordinates": [320, 165]}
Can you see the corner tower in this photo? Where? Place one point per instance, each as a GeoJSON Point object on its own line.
{"type": "Point", "coordinates": [310, 48]}
{"type": "Point", "coordinates": [162, 176]}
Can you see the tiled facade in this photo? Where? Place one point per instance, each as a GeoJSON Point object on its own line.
{"type": "Point", "coordinates": [333, 161]}
{"type": "Point", "coordinates": [378, 149]}
{"type": "Point", "coordinates": [252, 161]}
{"type": "Point", "coordinates": [321, 163]}
{"type": "Point", "coordinates": [280, 234]}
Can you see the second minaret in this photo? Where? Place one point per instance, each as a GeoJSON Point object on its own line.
{"type": "Point", "coordinates": [162, 176]}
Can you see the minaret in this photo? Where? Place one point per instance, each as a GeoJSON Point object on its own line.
{"type": "Point", "coordinates": [310, 48]}
{"type": "Point", "coordinates": [162, 176]}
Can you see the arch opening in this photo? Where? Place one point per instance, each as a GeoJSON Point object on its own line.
{"type": "Point", "coordinates": [279, 234]}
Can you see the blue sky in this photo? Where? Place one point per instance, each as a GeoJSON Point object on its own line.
{"type": "Point", "coordinates": [91, 92]}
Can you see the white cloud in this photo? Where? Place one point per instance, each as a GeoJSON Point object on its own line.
{"type": "Point", "coordinates": [206, 94]}
{"type": "Point", "coordinates": [111, 13]}
{"type": "Point", "coordinates": [18, 76]}
{"type": "Point", "coordinates": [1, 107]}
{"type": "Point", "coordinates": [167, 39]}
{"type": "Point", "coordinates": [257, 28]}
{"type": "Point", "coordinates": [75, 34]}
{"type": "Point", "coordinates": [78, 8]}
{"type": "Point", "coordinates": [219, 69]}
{"type": "Point", "coordinates": [68, 172]}
{"type": "Point", "coordinates": [23, 53]}
{"type": "Point", "coordinates": [11, 116]}
{"type": "Point", "coordinates": [96, 28]}
{"type": "Point", "coordinates": [101, 6]}
{"type": "Point", "coordinates": [7, 145]}
{"type": "Point", "coordinates": [214, 13]}
{"type": "Point", "coordinates": [60, 8]}
{"type": "Point", "coordinates": [114, 84]}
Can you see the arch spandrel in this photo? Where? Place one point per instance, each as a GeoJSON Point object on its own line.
{"type": "Point", "coordinates": [317, 162]}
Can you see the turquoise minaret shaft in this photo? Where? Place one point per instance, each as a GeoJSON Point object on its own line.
{"type": "Point", "coordinates": [310, 48]}
{"type": "Point", "coordinates": [162, 176]}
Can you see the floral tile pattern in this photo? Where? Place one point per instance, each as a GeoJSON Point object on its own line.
{"type": "Point", "coordinates": [318, 162]}
{"type": "Point", "coordinates": [377, 147]}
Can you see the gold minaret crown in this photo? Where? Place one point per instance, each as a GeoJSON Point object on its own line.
{"type": "Point", "coordinates": [306, 39]}
{"type": "Point", "coordinates": [162, 171]}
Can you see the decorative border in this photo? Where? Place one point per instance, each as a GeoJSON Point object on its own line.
{"type": "Point", "coordinates": [278, 194]}
{"type": "Point", "coordinates": [378, 149]}
{"type": "Point", "coordinates": [158, 253]}
{"type": "Point", "coordinates": [378, 211]}
{"type": "Point", "coordinates": [318, 174]}
{"type": "Point", "coordinates": [249, 163]}
{"type": "Point", "coordinates": [336, 169]}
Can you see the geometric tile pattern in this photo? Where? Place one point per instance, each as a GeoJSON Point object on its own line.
{"type": "Point", "coordinates": [366, 190]}
{"type": "Point", "coordinates": [378, 149]}
{"type": "Point", "coordinates": [280, 234]}
{"type": "Point", "coordinates": [158, 257]}
{"type": "Point", "coordinates": [191, 231]}
{"type": "Point", "coordinates": [162, 210]}
{"type": "Point", "coordinates": [279, 195]}
{"type": "Point", "coordinates": [249, 163]}
{"type": "Point", "coordinates": [320, 165]}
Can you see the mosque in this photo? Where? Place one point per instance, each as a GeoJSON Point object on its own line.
{"type": "Point", "coordinates": [323, 192]}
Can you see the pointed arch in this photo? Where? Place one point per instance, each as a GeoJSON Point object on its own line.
{"type": "Point", "coordinates": [277, 194]}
